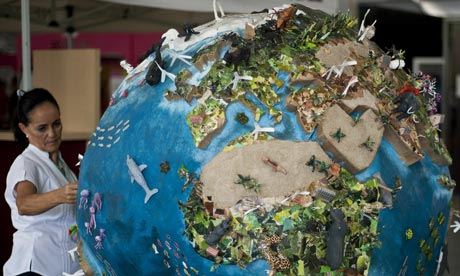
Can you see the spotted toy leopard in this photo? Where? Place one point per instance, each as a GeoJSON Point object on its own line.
{"type": "Point", "coordinates": [277, 261]}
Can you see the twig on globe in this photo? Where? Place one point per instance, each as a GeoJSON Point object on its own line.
{"type": "Point", "coordinates": [274, 165]}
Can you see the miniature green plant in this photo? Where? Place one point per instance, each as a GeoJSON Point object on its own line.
{"type": "Point", "coordinates": [338, 135]}
{"type": "Point", "coordinates": [248, 182]}
{"type": "Point", "coordinates": [312, 163]}
{"type": "Point", "coordinates": [323, 167]}
{"type": "Point", "coordinates": [357, 119]}
{"type": "Point", "coordinates": [368, 144]}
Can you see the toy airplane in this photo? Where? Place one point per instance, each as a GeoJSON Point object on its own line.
{"type": "Point", "coordinates": [80, 157]}
{"type": "Point", "coordinates": [259, 130]}
{"type": "Point", "coordinates": [456, 226]}
{"type": "Point", "coordinates": [338, 69]}
{"type": "Point", "coordinates": [165, 73]}
{"type": "Point", "coordinates": [72, 253]}
{"type": "Point", "coordinates": [216, 3]}
{"type": "Point", "coordinates": [368, 31]}
{"type": "Point", "coordinates": [353, 80]}
{"type": "Point", "coordinates": [125, 65]}
{"type": "Point", "coordinates": [237, 78]}
{"type": "Point", "coordinates": [176, 55]}
{"type": "Point", "coordinates": [135, 172]}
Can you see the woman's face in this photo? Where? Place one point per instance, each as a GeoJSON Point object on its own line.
{"type": "Point", "coordinates": [45, 127]}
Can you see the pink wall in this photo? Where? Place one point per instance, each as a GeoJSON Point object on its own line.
{"type": "Point", "coordinates": [9, 60]}
{"type": "Point", "coordinates": [129, 46]}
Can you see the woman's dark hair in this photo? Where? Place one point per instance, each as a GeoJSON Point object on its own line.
{"type": "Point", "coordinates": [26, 104]}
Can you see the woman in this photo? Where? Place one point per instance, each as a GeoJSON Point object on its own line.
{"type": "Point", "coordinates": [41, 192]}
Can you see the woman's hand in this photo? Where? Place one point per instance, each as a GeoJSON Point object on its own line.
{"type": "Point", "coordinates": [70, 193]}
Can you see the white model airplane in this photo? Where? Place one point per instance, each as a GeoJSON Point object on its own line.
{"type": "Point", "coordinates": [368, 31]}
{"type": "Point", "coordinates": [237, 78]}
{"type": "Point", "coordinates": [338, 69]}
{"type": "Point", "coordinates": [353, 80]}
{"type": "Point", "coordinates": [165, 73]}
{"type": "Point", "coordinates": [259, 130]}
{"type": "Point", "coordinates": [456, 226]}
{"type": "Point", "coordinates": [72, 253]}
{"type": "Point", "coordinates": [80, 157]}
{"type": "Point", "coordinates": [178, 56]}
{"type": "Point", "coordinates": [125, 65]}
{"type": "Point", "coordinates": [216, 3]}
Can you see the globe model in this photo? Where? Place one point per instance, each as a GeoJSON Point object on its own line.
{"type": "Point", "coordinates": [283, 142]}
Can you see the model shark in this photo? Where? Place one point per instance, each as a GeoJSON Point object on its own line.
{"type": "Point", "coordinates": [135, 172]}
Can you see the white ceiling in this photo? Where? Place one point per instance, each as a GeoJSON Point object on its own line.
{"type": "Point", "coordinates": [233, 6]}
{"type": "Point", "coordinates": [160, 15]}
{"type": "Point", "coordinates": [95, 16]}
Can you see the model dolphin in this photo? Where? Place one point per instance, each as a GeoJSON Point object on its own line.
{"type": "Point", "coordinates": [135, 172]}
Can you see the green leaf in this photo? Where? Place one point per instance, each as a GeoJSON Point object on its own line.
{"type": "Point", "coordinates": [371, 183]}
{"type": "Point", "coordinates": [281, 216]}
{"type": "Point", "coordinates": [300, 268]}
{"type": "Point", "coordinates": [200, 218]}
{"type": "Point", "coordinates": [373, 227]}
{"type": "Point", "coordinates": [288, 225]}
{"type": "Point", "coordinates": [251, 222]}
{"type": "Point", "coordinates": [362, 263]}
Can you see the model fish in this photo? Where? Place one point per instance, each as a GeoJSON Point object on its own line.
{"type": "Point", "coordinates": [135, 172]}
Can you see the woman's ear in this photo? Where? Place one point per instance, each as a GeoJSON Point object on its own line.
{"type": "Point", "coordinates": [23, 129]}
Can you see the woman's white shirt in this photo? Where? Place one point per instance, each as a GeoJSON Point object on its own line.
{"type": "Point", "coordinates": [41, 242]}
